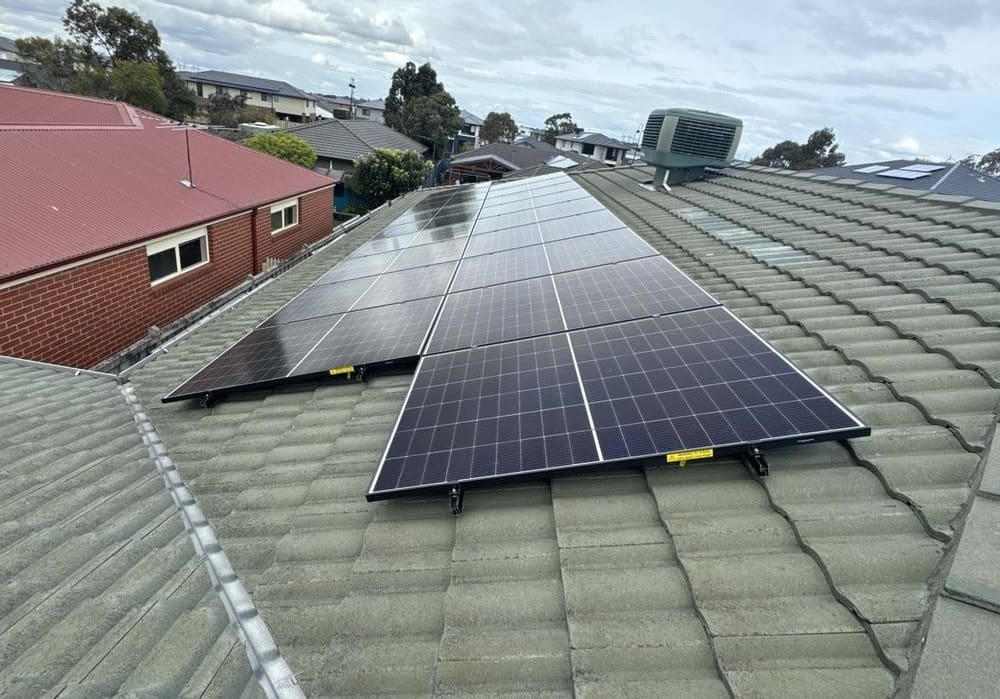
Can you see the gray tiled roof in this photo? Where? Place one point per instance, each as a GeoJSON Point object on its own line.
{"type": "Point", "coordinates": [597, 139]}
{"type": "Point", "coordinates": [952, 179]}
{"type": "Point", "coordinates": [470, 118]}
{"type": "Point", "coordinates": [245, 82]}
{"type": "Point", "coordinates": [517, 155]}
{"type": "Point", "coordinates": [352, 139]}
{"type": "Point", "coordinates": [645, 580]}
{"type": "Point", "coordinates": [7, 44]}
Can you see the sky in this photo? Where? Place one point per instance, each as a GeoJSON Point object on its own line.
{"type": "Point", "coordinates": [893, 78]}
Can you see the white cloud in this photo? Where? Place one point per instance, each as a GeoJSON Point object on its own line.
{"type": "Point", "coordinates": [320, 59]}
{"type": "Point", "coordinates": [908, 145]}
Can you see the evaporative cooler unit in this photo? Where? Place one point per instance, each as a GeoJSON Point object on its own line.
{"type": "Point", "coordinates": [681, 143]}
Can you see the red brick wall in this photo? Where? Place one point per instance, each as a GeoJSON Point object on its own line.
{"type": "Point", "coordinates": [83, 315]}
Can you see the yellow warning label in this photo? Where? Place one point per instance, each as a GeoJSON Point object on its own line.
{"type": "Point", "coordinates": [689, 455]}
{"type": "Point", "coordinates": [338, 370]}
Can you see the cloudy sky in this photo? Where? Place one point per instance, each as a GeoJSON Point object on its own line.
{"type": "Point", "coordinates": [894, 78]}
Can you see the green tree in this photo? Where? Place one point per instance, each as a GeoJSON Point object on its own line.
{"type": "Point", "coordinates": [498, 126]}
{"type": "Point", "coordinates": [285, 146]}
{"type": "Point", "coordinates": [988, 164]}
{"type": "Point", "coordinates": [559, 124]}
{"type": "Point", "coordinates": [223, 110]}
{"type": "Point", "coordinates": [387, 173]}
{"type": "Point", "coordinates": [420, 107]}
{"type": "Point", "coordinates": [819, 150]}
{"type": "Point", "coordinates": [100, 39]}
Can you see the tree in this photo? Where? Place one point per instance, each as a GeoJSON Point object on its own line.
{"type": "Point", "coordinates": [498, 127]}
{"type": "Point", "coordinates": [387, 173]}
{"type": "Point", "coordinates": [559, 124]}
{"type": "Point", "coordinates": [223, 110]}
{"type": "Point", "coordinates": [285, 146]}
{"type": "Point", "coordinates": [100, 40]}
{"type": "Point", "coordinates": [420, 107]}
{"type": "Point", "coordinates": [819, 150]}
{"type": "Point", "coordinates": [989, 164]}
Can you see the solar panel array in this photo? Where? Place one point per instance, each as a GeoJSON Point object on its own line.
{"type": "Point", "coordinates": [549, 335]}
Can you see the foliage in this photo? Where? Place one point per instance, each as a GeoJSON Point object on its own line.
{"type": "Point", "coordinates": [356, 208]}
{"type": "Point", "coordinates": [420, 107]}
{"type": "Point", "coordinates": [498, 127]}
{"type": "Point", "coordinates": [819, 150]}
{"type": "Point", "coordinates": [285, 146]}
{"type": "Point", "coordinates": [387, 173]}
{"type": "Point", "coordinates": [559, 124]}
{"type": "Point", "coordinates": [112, 53]}
{"type": "Point", "coordinates": [231, 111]}
{"type": "Point", "coordinates": [988, 164]}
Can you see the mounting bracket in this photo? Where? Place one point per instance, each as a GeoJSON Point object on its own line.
{"type": "Point", "coordinates": [756, 461]}
{"type": "Point", "coordinates": [205, 401]}
{"type": "Point", "coordinates": [456, 496]}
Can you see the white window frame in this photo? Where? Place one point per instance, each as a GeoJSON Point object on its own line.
{"type": "Point", "coordinates": [175, 241]}
{"type": "Point", "coordinates": [281, 206]}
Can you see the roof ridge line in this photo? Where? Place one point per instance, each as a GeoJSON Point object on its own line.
{"type": "Point", "coordinates": [58, 367]}
{"type": "Point", "coordinates": [269, 666]}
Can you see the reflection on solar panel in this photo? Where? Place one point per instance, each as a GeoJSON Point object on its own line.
{"type": "Point", "coordinates": [508, 239]}
{"type": "Point", "coordinates": [355, 267]}
{"type": "Point", "coordinates": [494, 411]}
{"type": "Point", "coordinates": [627, 290]}
{"type": "Point", "coordinates": [697, 380]}
{"type": "Point", "coordinates": [322, 300]}
{"type": "Point", "coordinates": [597, 249]}
{"type": "Point", "coordinates": [423, 255]}
{"type": "Point", "coordinates": [497, 313]}
{"type": "Point", "coordinates": [409, 284]}
{"type": "Point", "coordinates": [904, 174]}
{"type": "Point", "coordinates": [583, 224]}
{"type": "Point", "coordinates": [500, 267]}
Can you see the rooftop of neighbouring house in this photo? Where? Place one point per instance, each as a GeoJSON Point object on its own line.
{"type": "Point", "coordinates": [84, 176]}
{"type": "Point", "coordinates": [470, 118]}
{"type": "Point", "coordinates": [953, 179]}
{"type": "Point", "coordinates": [858, 569]}
{"type": "Point", "coordinates": [593, 138]}
{"type": "Point", "coordinates": [349, 139]}
{"type": "Point", "coordinates": [245, 82]}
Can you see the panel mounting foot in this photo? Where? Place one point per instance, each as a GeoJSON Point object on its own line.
{"type": "Point", "coordinates": [205, 401]}
{"type": "Point", "coordinates": [756, 461]}
{"type": "Point", "coordinates": [456, 496]}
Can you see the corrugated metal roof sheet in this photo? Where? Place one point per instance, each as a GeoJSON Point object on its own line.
{"type": "Point", "coordinates": [74, 191]}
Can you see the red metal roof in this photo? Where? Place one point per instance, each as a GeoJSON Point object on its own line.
{"type": "Point", "coordinates": [97, 181]}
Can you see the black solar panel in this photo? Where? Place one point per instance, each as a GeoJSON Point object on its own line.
{"type": "Point", "coordinates": [438, 234]}
{"type": "Point", "coordinates": [583, 224]}
{"type": "Point", "coordinates": [508, 239]}
{"type": "Point", "coordinates": [697, 380]}
{"type": "Point", "coordinates": [500, 267]}
{"type": "Point", "coordinates": [355, 267]}
{"type": "Point", "coordinates": [597, 249]}
{"type": "Point", "coordinates": [423, 255]}
{"type": "Point", "coordinates": [627, 290]}
{"type": "Point", "coordinates": [488, 412]}
{"type": "Point", "coordinates": [381, 245]}
{"type": "Point", "coordinates": [495, 314]}
{"type": "Point", "coordinates": [505, 220]}
{"type": "Point", "coordinates": [407, 285]}
{"type": "Point", "coordinates": [322, 300]}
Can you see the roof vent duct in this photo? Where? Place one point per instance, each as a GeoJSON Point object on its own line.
{"type": "Point", "coordinates": [681, 143]}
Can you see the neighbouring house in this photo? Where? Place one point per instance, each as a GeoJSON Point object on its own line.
{"type": "Point", "coordinates": [468, 136]}
{"type": "Point", "coordinates": [596, 146]}
{"type": "Point", "coordinates": [530, 132]}
{"type": "Point", "coordinates": [341, 108]}
{"type": "Point", "coordinates": [133, 222]}
{"type": "Point", "coordinates": [10, 61]}
{"type": "Point", "coordinates": [339, 142]}
{"type": "Point", "coordinates": [255, 566]}
{"type": "Point", "coordinates": [499, 160]}
{"type": "Point", "coordinates": [288, 102]}
{"type": "Point", "coordinates": [954, 179]}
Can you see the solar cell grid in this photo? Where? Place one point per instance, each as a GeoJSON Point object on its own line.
{"type": "Point", "coordinates": [507, 239]}
{"type": "Point", "coordinates": [506, 220]}
{"type": "Point", "coordinates": [489, 412]}
{"type": "Point", "coordinates": [435, 234]}
{"type": "Point", "coordinates": [695, 380]}
{"type": "Point", "coordinates": [396, 287]}
{"type": "Point", "coordinates": [626, 291]}
{"type": "Point", "coordinates": [530, 202]}
{"type": "Point", "coordinates": [356, 267]}
{"type": "Point", "coordinates": [373, 336]}
{"type": "Point", "coordinates": [570, 208]}
{"type": "Point", "coordinates": [582, 224]}
{"type": "Point", "coordinates": [322, 300]}
{"type": "Point", "coordinates": [424, 255]}
{"type": "Point", "coordinates": [495, 314]}
{"type": "Point", "coordinates": [380, 245]}
{"type": "Point", "coordinates": [500, 267]}
{"type": "Point", "coordinates": [597, 249]}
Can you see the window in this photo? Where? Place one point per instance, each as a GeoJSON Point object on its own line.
{"type": "Point", "coordinates": [200, 88]}
{"type": "Point", "coordinates": [588, 149]}
{"type": "Point", "coordinates": [284, 215]}
{"type": "Point", "coordinates": [219, 90]}
{"type": "Point", "coordinates": [243, 93]}
{"type": "Point", "coordinates": [275, 98]}
{"type": "Point", "coordinates": [177, 254]}
{"type": "Point", "coordinates": [264, 97]}
{"type": "Point", "coordinates": [365, 111]}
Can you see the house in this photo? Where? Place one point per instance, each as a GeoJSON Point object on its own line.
{"type": "Point", "coordinates": [942, 177]}
{"type": "Point", "coordinates": [339, 142]}
{"type": "Point", "coordinates": [135, 222]}
{"type": "Point", "coordinates": [468, 136]}
{"type": "Point", "coordinates": [342, 107]}
{"type": "Point", "coordinates": [864, 570]}
{"type": "Point", "coordinates": [501, 160]}
{"type": "Point", "coordinates": [595, 145]}
{"type": "Point", "coordinates": [10, 61]}
{"type": "Point", "coordinates": [286, 101]}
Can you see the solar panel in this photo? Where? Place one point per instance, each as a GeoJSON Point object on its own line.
{"type": "Point", "coordinates": [500, 267]}
{"type": "Point", "coordinates": [923, 167]}
{"type": "Point", "coordinates": [627, 290]}
{"type": "Point", "coordinates": [423, 255]}
{"type": "Point", "coordinates": [381, 245]}
{"type": "Point", "coordinates": [495, 314]}
{"type": "Point", "coordinates": [597, 249]}
{"type": "Point", "coordinates": [507, 239]}
{"type": "Point", "coordinates": [322, 300]}
{"type": "Point", "coordinates": [509, 219]}
{"type": "Point", "coordinates": [904, 174]}
{"type": "Point", "coordinates": [355, 267]}
{"type": "Point", "coordinates": [872, 169]}
{"type": "Point", "coordinates": [438, 234]}
{"type": "Point", "coordinates": [583, 224]}
{"type": "Point", "coordinates": [397, 287]}
{"type": "Point", "coordinates": [485, 413]}
{"type": "Point", "coordinates": [697, 380]}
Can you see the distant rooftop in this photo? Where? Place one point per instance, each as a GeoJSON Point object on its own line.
{"type": "Point", "coordinates": [350, 139]}
{"type": "Point", "coordinates": [245, 82]}
{"type": "Point", "coordinates": [470, 118]}
{"type": "Point", "coordinates": [594, 138]}
{"type": "Point", "coordinates": [942, 178]}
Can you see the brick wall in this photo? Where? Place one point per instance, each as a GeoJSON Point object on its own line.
{"type": "Point", "coordinates": [85, 314]}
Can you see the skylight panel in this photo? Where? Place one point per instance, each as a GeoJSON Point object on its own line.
{"type": "Point", "coordinates": [871, 169]}
{"type": "Point", "coordinates": [923, 167]}
{"type": "Point", "coordinates": [904, 174]}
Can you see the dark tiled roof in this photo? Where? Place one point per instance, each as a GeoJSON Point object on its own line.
{"type": "Point", "coordinates": [515, 155]}
{"type": "Point", "coordinates": [952, 179]}
{"type": "Point", "coordinates": [245, 82]}
{"type": "Point", "coordinates": [7, 44]}
{"type": "Point", "coordinates": [352, 139]}
{"type": "Point", "coordinates": [582, 163]}
{"type": "Point", "coordinates": [470, 118]}
{"type": "Point", "coordinates": [647, 580]}
{"type": "Point", "coordinates": [596, 139]}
